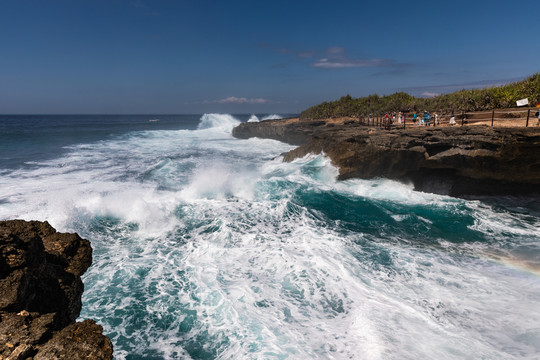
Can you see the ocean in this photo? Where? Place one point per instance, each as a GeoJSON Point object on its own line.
{"type": "Point", "coordinates": [211, 247]}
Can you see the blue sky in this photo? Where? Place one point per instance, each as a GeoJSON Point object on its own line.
{"type": "Point", "coordinates": [175, 56]}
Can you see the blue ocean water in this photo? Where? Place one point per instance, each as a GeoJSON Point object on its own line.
{"type": "Point", "coordinates": [210, 247]}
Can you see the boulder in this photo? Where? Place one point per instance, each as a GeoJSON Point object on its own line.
{"type": "Point", "coordinates": [41, 291]}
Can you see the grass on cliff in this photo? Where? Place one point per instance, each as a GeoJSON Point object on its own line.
{"type": "Point", "coordinates": [464, 100]}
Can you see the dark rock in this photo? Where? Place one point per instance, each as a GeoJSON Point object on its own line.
{"type": "Point", "coordinates": [83, 338]}
{"type": "Point", "coordinates": [41, 288]}
{"type": "Point", "coordinates": [283, 130]}
{"type": "Point", "coordinates": [29, 330]}
{"type": "Point", "coordinates": [457, 161]}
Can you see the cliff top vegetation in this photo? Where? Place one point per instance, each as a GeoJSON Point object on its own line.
{"type": "Point", "coordinates": [464, 100]}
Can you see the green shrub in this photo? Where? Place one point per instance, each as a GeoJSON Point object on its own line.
{"type": "Point", "coordinates": [464, 100]}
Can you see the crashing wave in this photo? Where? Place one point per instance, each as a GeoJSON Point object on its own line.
{"type": "Point", "coordinates": [272, 117]}
{"type": "Point", "coordinates": [218, 121]}
{"type": "Point", "coordinates": [253, 118]}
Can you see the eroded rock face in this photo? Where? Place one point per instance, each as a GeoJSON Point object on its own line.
{"type": "Point", "coordinates": [456, 161]}
{"type": "Point", "coordinates": [294, 133]}
{"type": "Point", "coordinates": [83, 338]}
{"type": "Point", "coordinates": [41, 292]}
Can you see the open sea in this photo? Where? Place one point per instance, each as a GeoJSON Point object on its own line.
{"type": "Point", "coordinates": [210, 247]}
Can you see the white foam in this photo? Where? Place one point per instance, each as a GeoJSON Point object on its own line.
{"type": "Point", "coordinates": [200, 239]}
{"type": "Point", "coordinates": [219, 181]}
{"type": "Point", "coordinates": [379, 189]}
{"type": "Point", "coordinates": [503, 223]}
{"type": "Point", "coordinates": [224, 122]}
{"type": "Point", "coordinates": [253, 118]}
{"type": "Point", "coordinates": [272, 117]}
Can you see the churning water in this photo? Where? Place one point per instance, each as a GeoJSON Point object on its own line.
{"type": "Point", "coordinates": [210, 247]}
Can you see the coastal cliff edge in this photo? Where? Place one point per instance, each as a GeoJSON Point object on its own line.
{"type": "Point", "coordinates": [457, 161]}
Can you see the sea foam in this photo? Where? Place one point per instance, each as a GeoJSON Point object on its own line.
{"type": "Point", "coordinates": [206, 247]}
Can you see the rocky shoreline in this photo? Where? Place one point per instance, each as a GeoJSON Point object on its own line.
{"type": "Point", "coordinates": [457, 161]}
{"type": "Point", "coordinates": [41, 287]}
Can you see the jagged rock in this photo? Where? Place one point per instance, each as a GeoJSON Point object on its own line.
{"type": "Point", "coordinates": [457, 161]}
{"type": "Point", "coordinates": [283, 130]}
{"type": "Point", "coordinates": [23, 331]}
{"type": "Point", "coordinates": [82, 338]}
{"type": "Point", "coordinates": [41, 288]}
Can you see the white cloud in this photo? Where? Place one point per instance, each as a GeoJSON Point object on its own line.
{"type": "Point", "coordinates": [448, 88]}
{"type": "Point", "coordinates": [348, 63]}
{"type": "Point", "coordinates": [335, 50]}
{"type": "Point", "coordinates": [430, 94]}
{"type": "Point", "coordinates": [306, 54]}
{"type": "Point", "coordinates": [336, 58]}
{"type": "Point", "coordinates": [240, 100]}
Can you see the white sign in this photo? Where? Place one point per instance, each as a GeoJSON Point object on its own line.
{"type": "Point", "coordinates": [522, 102]}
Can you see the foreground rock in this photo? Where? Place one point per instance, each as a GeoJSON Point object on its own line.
{"type": "Point", "coordinates": [41, 291]}
{"type": "Point", "coordinates": [456, 161]}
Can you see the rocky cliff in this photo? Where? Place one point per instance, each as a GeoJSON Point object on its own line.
{"type": "Point", "coordinates": [290, 131]}
{"type": "Point", "coordinates": [456, 161]}
{"type": "Point", "coordinates": [41, 289]}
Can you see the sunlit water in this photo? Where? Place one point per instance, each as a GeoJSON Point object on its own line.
{"type": "Point", "coordinates": [210, 247]}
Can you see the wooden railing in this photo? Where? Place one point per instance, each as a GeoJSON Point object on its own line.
{"type": "Point", "coordinates": [528, 116]}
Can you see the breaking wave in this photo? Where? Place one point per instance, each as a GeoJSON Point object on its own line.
{"type": "Point", "coordinates": [253, 118]}
{"type": "Point", "coordinates": [210, 247]}
{"type": "Point", "coordinates": [272, 117]}
{"type": "Point", "coordinates": [224, 122]}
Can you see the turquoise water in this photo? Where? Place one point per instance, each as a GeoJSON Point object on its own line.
{"type": "Point", "coordinates": [210, 247]}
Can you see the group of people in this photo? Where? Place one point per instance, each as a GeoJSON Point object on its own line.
{"type": "Point", "coordinates": [393, 118]}
{"type": "Point", "coordinates": [399, 118]}
{"type": "Point", "coordinates": [426, 119]}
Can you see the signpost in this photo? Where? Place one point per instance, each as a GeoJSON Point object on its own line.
{"type": "Point", "coordinates": [522, 102]}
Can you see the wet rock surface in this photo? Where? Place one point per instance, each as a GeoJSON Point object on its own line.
{"type": "Point", "coordinates": [295, 133]}
{"type": "Point", "coordinates": [41, 291]}
{"type": "Point", "coordinates": [456, 161]}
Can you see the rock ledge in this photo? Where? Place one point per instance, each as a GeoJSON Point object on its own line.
{"type": "Point", "coordinates": [41, 289]}
{"type": "Point", "coordinates": [456, 161]}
